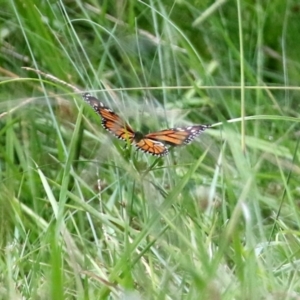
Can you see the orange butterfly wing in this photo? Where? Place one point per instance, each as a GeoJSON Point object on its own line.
{"type": "Point", "coordinates": [177, 136]}
{"type": "Point", "coordinates": [151, 146]}
{"type": "Point", "coordinates": [110, 120]}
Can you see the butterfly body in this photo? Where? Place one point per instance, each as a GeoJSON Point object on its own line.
{"type": "Point", "coordinates": [152, 143]}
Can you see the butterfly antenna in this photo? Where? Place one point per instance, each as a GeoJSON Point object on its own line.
{"type": "Point", "coordinates": [55, 79]}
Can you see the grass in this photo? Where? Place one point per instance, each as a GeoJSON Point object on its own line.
{"type": "Point", "coordinates": [83, 218]}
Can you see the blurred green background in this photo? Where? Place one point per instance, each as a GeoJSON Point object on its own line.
{"type": "Point", "coordinates": [83, 217]}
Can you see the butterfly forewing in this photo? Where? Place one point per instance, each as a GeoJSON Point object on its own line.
{"type": "Point", "coordinates": [92, 101]}
{"type": "Point", "coordinates": [178, 136]}
{"type": "Point", "coordinates": [114, 124]}
{"type": "Point", "coordinates": [110, 120]}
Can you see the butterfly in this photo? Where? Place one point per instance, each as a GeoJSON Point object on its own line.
{"type": "Point", "coordinates": [152, 143]}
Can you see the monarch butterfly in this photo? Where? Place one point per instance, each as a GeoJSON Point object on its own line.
{"type": "Point", "coordinates": [152, 143]}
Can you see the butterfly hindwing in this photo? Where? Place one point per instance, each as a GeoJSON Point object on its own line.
{"type": "Point", "coordinates": [152, 147]}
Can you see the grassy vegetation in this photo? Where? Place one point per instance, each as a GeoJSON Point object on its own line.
{"type": "Point", "coordinates": [83, 218]}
